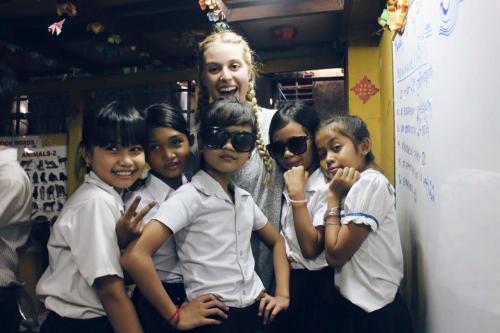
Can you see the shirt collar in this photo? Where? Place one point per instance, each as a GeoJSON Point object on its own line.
{"type": "Point", "coordinates": [206, 184]}
{"type": "Point", "coordinates": [8, 155]}
{"type": "Point", "coordinates": [158, 188]}
{"type": "Point", "coordinates": [92, 178]}
{"type": "Point", "coordinates": [316, 181]}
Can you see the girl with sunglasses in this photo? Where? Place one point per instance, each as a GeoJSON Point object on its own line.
{"type": "Point", "coordinates": [291, 134]}
{"type": "Point", "coordinates": [212, 221]}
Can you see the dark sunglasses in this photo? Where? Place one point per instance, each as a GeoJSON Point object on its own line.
{"type": "Point", "coordinates": [216, 138]}
{"type": "Point", "coordinates": [296, 145]}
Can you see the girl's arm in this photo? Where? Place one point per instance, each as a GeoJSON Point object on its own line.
{"type": "Point", "coordinates": [138, 262]}
{"type": "Point", "coordinates": [311, 240]}
{"type": "Point", "coordinates": [271, 306]}
{"type": "Point", "coordinates": [120, 310]}
{"type": "Point", "coordinates": [342, 241]}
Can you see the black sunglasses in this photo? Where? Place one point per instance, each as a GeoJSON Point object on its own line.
{"type": "Point", "coordinates": [216, 138]}
{"type": "Point", "coordinates": [296, 145]}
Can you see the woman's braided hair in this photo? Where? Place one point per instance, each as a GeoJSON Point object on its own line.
{"type": "Point", "coordinates": [203, 97]}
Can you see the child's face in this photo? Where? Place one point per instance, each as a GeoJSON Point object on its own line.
{"type": "Point", "coordinates": [337, 151]}
{"type": "Point", "coordinates": [168, 152]}
{"type": "Point", "coordinates": [288, 159]}
{"type": "Point", "coordinates": [225, 73]}
{"type": "Point", "coordinates": [117, 165]}
{"type": "Point", "coordinates": [225, 161]}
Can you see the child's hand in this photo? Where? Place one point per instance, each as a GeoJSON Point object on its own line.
{"type": "Point", "coordinates": [295, 180]}
{"type": "Point", "coordinates": [130, 224]}
{"type": "Point", "coordinates": [270, 306]}
{"type": "Point", "coordinates": [198, 312]}
{"type": "Point", "coordinates": [342, 181]}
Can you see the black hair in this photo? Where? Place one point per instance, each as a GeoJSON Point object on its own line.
{"type": "Point", "coordinates": [352, 127]}
{"type": "Point", "coordinates": [228, 112]}
{"type": "Point", "coordinates": [115, 123]}
{"type": "Point", "coordinates": [8, 90]}
{"type": "Point", "coordinates": [164, 115]}
{"type": "Point", "coordinates": [300, 112]}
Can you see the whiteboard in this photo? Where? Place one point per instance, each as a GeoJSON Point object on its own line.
{"type": "Point", "coordinates": [447, 150]}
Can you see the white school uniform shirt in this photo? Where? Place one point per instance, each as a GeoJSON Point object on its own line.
{"type": "Point", "coordinates": [82, 247]}
{"type": "Point", "coordinates": [15, 212]}
{"type": "Point", "coordinates": [371, 277]}
{"type": "Point", "coordinates": [165, 259]}
{"type": "Point", "coordinates": [316, 189]}
{"type": "Point", "coordinates": [213, 239]}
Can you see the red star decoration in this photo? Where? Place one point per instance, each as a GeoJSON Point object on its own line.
{"type": "Point", "coordinates": [365, 89]}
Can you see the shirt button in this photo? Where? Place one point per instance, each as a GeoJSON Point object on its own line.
{"type": "Point", "coordinates": [244, 293]}
{"type": "Point", "coordinates": [241, 253]}
{"type": "Point", "coordinates": [238, 232]}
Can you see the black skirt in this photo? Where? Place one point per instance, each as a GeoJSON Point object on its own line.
{"type": "Point", "coordinates": [57, 324]}
{"type": "Point", "coordinates": [313, 302]}
{"type": "Point", "coordinates": [392, 318]}
{"type": "Point", "coordinates": [151, 320]}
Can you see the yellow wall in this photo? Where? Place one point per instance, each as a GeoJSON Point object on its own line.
{"type": "Point", "coordinates": [376, 63]}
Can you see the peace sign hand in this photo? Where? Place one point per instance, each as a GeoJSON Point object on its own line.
{"type": "Point", "coordinates": [130, 225]}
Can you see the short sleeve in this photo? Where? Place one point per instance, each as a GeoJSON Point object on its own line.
{"type": "Point", "coordinates": [318, 207]}
{"type": "Point", "coordinates": [179, 210]}
{"type": "Point", "coordinates": [368, 201]}
{"type": "Point", "coordinates": [260, 219]}
{"type": "Point", "coordinates": [90, 233]}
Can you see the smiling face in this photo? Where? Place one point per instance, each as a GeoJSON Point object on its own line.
{"type": "Point", "coordinates": [168, 152]}
{"type": "Point", "coordinates": [226, 161]}
{"type": "Point", "coordinates": [337, 151]}
{"type": "Point", "coordinates": [225, 72]}
{"type": "Point", "coordinates": [288, 159]}
{"type": "Point", "coordinates": [118, 166]}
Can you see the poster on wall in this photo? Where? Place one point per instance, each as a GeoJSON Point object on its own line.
{"type": "Point", "coordinates": [46, 168]}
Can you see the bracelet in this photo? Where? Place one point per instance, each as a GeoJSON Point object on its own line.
{"type": "Point", "coordinates": [174, 320]}
{"type": "Point", "coordinates": [331, 212]}
{"type": "Point", "coordinates": [332, 223]}
{"type": "Point", "coordinates": [297, 201]}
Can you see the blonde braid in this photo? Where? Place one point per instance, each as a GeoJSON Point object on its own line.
{"type": "Point", "coordinates": [261, 146]}
{"type": "Point", "coordinates": [203, 100]}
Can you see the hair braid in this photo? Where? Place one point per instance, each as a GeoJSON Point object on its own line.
{"type": "Point", "coordinates": [261, 147]}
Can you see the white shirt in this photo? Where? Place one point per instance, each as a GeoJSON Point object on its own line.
{"type": "Point", "coordinates": [165, 259]}
{"type": "Point", "coordinates": [316, 193]}
{"type": "Point", "coordinates": [213, 239]}
{"type": "Point", "coordinates": [371, 277]}
{"type": "Point", "coordinates": [82, 247]}
{"type": "Point", "coordinates": [15, 212]}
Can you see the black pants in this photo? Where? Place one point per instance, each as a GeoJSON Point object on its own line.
{"type": "Point", "coordinates": [241, 320]}
{"type": "Point", "coordinates": [9, 313]}
{"type": "Point", "coordinates": [313, 302]}
{"type": "Point", "coordinates": [392, 318]}
{"type": "Point", "coordinates": [57, 324]}
{"type": "Point", "coordinates": [151, 320]}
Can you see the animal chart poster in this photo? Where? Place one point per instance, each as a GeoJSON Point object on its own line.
{"type": "Point", "coordinates": [47, 169]}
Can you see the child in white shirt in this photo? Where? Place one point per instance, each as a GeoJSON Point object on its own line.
{"type": "Point", "coordinates": [212, 221]}
{"type": "Point", "coordinates": [83, 286]}
{"type": "Point", "coordinates": [361, 234]}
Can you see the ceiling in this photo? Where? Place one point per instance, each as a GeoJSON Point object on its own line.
{"type": "Point", "coordinates": [161, 35]}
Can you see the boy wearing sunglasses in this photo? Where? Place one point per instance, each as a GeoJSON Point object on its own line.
{"type": "Point", "coordinates": [212, 221]}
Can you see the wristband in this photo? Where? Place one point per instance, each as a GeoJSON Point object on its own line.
{"type": "Point", "coordinates": [174, 320]}
{"type": "Point", "coordinates": [296, 202]}
{"type": "Point", "coordinates": [331, 212]}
